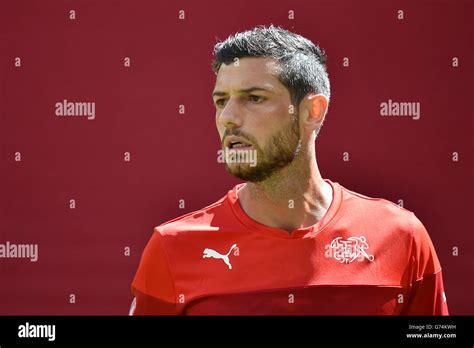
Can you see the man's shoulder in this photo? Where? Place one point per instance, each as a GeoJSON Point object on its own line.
{"type": "Point", "coordinates": [198, 220]}
{"type": "Point", "coordinates": [381, 214]}
{"type": "Point", "coordinates": [356, 198]}
{"type": "Point", "coordinates": [379, 210]}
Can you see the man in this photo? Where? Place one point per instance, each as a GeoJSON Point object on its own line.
{"type": "Point", "coordinates": [287, 241]}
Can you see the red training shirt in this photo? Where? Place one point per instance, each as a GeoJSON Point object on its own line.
{"type": "Point", "coordinates": [366, 256]}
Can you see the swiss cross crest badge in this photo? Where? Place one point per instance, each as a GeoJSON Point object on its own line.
{"type": "Point", "coordinates": [348, 250]}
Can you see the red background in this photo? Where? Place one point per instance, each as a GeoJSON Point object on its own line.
{"type": "Point", "coordinates": [173, 156]}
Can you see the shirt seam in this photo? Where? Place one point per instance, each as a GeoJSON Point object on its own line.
{"type": "Point", "coordinates": [374, 199]}
{"type": "Point", "coordinates": [427, 275]}
{"type": "Point", "coordinates": [165, 253]}
{"type": "Point", "coordinates": [412, 255]}
{"type": "Point", "coordinates": [416, 259]}
{"type": "Point", "coordinates": [184, 216]}
{"type": "Point", "coordinates": [146, 293]}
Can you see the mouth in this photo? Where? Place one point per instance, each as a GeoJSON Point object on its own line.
{"type": "Point", "coordinates": [233, 142]}
{"type": "Point", "coordinates": [239, 145]}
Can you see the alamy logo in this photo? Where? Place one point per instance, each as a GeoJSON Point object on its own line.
{"type": "Point", "coordinates": [392, 108]}
{"type": "Point", "coordinates": [237, 155]}
{"type": "Point", "coordinates": [346, 251]}
{"type": "Point", "coordinates": [22, 251]}
{"type": "Point", "coordinates": [212, 253]}
{"type": "Point", "coordinates": [37, 331]}
{"type": "Point", "coordinates": [66, 108]}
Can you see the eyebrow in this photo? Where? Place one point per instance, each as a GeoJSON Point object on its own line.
{"type": "Point", "coordinates": [242, 91]}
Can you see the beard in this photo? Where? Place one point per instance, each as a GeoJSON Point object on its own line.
{"type": "Point", "coordinates": [281, 149]}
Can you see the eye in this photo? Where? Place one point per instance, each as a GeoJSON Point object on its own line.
{"type": "Point", "coordinates": [220, 103]}
{"type": "Point", "coordinates": [256, 98]}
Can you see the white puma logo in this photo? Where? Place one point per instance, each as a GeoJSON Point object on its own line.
{"type": "Point", "coordinates": [212, 253]}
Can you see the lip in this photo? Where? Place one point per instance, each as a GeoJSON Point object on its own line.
{"type": "Point", "coordinates": [232, 139]}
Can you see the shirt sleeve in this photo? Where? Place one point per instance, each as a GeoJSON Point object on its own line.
{"type": "Point", "coordinates": [426, 295]}
{"type": "Point", "coordinates": [153, 285]}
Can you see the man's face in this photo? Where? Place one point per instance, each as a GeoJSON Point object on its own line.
{"type": "Point", "coordinates": [254, 113]}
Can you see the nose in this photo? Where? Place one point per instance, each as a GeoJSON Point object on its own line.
{"type": "Point", "coordinates": [230, 116]}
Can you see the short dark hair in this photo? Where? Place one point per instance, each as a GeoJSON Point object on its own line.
{"type": "Point", "coordinates": [302, 63]}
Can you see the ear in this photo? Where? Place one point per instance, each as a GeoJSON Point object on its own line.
{"type": "Point", "coordinates": [317, 105]}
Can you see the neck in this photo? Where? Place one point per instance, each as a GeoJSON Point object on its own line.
{"type": "Point", "coordinates": [294, 197]}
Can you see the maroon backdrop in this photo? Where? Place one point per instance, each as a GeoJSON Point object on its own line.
{"type": "Point", "coordinates": [422, 54]}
